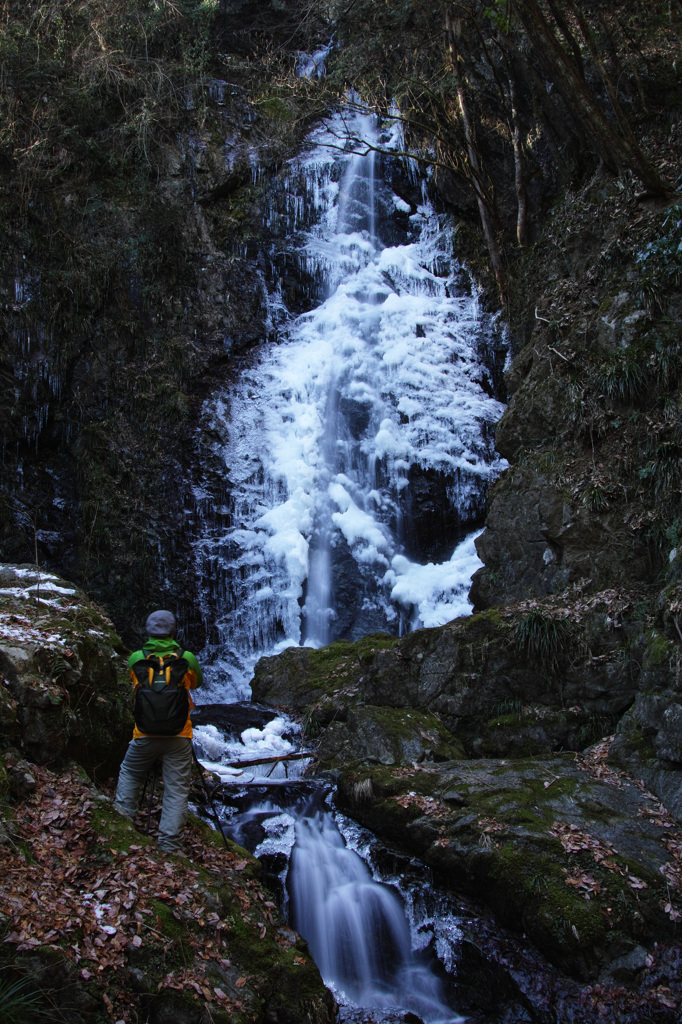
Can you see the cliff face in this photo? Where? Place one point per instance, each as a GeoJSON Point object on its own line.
{"type": "Point", "coordinates": [136, 257]}
{"type": "Point", "coordinates": [132, 164]}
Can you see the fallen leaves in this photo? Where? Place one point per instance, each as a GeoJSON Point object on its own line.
{"type": "Point", "coordinates": [426, 804]}
{"type": "Point", "coordinates": [75, 892]}
{"type": "Point", "coordinates": [583, 882]}
{"type": "Point", "coordinates": [672, 842]}
{"type": "Point", "coordinates": [489, 826]}
{"type": "Point", "coordinates": [575, 840]}
{"type": "Point", "coordinates": [593, 762]}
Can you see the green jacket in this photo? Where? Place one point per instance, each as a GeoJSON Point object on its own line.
{"type": "Point", "coordinates": [159, 645]}
{"type": "Point", "coordinates": [164, 645]}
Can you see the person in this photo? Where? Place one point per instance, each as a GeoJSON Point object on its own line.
{"type": "Point", "coordinates": [172, 748]}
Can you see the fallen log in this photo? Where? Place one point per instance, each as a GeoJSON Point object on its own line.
{"type": "Point", "coordinates": [255, 783]}
{"type": "Point", "coordinates": [269, 760]}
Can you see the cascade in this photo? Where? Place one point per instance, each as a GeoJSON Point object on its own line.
{"type": "Point", "coordinates": [355, 925]}
{"type": "Point", "coordinates": [357, 421]}
{"type": "Point", "coordinates": [357, 444]}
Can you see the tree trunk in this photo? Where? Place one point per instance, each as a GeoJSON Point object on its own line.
{"type": "Point", "coordinates": [569, 37]}
{"type": "Point", "coordinates": [482, 199]}
{"type": "Point", "coordinates": [519, 177]}
{"type": "Point", "coordinates": [617, 153]}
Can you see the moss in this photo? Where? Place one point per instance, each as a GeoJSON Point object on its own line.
{"type": "Point", "coordinates": [513, 719]}
{"type": "Point", "coordinates": [179, 952]}
{"type": "Point", "coordinates": [334, 655]}
{"type": "Point", "coordinates": [555, 907]}
{"type": "Point", "coordinates": [659, 649]}
{"type": "Point", "coordinates": [401, 725]}
{"type": "Point", "coordinates": [482, 627]}
{"type": "Point", "coordinates": [276, 109]}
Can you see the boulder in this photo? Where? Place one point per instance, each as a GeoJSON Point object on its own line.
{"type": "Point", "coordinates": [65, 691]}
{"type": "Point", "coordinates": [561, 848]}
{"type": "Point", "coordinates": [390, 736]}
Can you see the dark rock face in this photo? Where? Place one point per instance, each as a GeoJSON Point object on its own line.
{"type": "Point", "coordinates": [437, 513]}
{"type": "Point", "coordinates": [647, 734]}
{"type": "Point", "coordinates": [115, 332]}
{"type": "Point", "coordinates": [472, 673]}
{"type": "Point", "coordinates": [538, 542]}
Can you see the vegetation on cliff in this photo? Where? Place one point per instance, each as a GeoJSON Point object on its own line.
{"type": "Point", "coordinates": [510, 102]}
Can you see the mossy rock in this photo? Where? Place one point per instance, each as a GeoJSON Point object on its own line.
{"type": "Point", "coordinates": [328, 678]}
{"type": "Point", "coordinates": [659, 649]}
{"type": "Point", "coordinates": [68, 693]}
{"type": "Point", "coordinates": [388, 736]}
{"type": "Point", "coordinates": [554, 851]}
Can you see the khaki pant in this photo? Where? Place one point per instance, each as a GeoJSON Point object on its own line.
{"type": "Point", "coordinates": [175, 754]}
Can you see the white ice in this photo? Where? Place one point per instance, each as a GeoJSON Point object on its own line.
{"type": "Point", "coordinates": [394, 345]}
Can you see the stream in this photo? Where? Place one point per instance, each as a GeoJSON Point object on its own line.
{"type": "Point", "coordinates": [356, 448]}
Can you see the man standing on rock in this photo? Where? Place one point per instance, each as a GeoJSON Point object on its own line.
{"type": "Point", "coordinates": [163, 675]}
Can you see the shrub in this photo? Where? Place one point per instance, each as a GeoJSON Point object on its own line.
{"type": "Point", "coordinates": [543, 640]}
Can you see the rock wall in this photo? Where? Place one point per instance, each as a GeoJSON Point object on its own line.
{"type": "Point", "coordinates": [135, 264]}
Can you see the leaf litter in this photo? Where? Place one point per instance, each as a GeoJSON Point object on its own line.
{"type": "Point", "coordinates": [67, 887]}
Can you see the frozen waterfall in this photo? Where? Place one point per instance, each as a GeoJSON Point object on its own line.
{"type": "Point", "coordinates": [367, 413]}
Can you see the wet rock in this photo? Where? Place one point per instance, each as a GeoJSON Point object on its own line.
{"type": "Point", "coordinates": [435, 521]}
{"type": "Point", "coordinates": [568, 857]}
{"type": "Point", "coordinates": [233, 719]}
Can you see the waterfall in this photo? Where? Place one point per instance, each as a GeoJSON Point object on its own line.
{"type": "Point", "coordinates": [356, 928]}
{"type": "Point", "coordinates": [349, 463]}
{"type": "Point", "coordinates": [357, 446]}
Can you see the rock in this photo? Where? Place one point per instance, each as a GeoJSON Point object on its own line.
{"type": "Point", "coordinates": [21, 782]}
{"type": "Point", "coordinates": [668, 741]}
{"type": "Point", "coordinates": [386, 736]}
{"type": "Point", "coordinates": [536, 542]}
{"type": "Point", "coordinates": [627, 969]}
{"type": "Point", "coordinates": [434, 524]}
{"type": "Point", "coordinates": [553, 849]}
{"type": "Point", "coordinates": [636, 748]}
{"type": "Point", "coordinates": [234, 718]}
{"type": "Point", "coordinates": [66, 692]}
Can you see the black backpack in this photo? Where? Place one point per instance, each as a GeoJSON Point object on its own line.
{"type": "Point", "coordinates": [161, 697]}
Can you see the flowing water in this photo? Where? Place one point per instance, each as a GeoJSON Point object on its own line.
{"type": "Point", "coordinates": [358, 420]}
